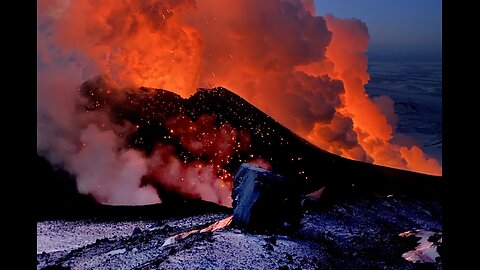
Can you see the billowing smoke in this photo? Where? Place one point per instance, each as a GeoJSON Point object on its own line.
{"type": "Point", "coordinates": [306, 71]}
{"type": "Point", "coordinates": [87, 144]}
{"type": "Point", "coordinates": [372, 120]}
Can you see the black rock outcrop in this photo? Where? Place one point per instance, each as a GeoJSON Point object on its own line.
{"type": "Point", "coordinates": [265, 201]}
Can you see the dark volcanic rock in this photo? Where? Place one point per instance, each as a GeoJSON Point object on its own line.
{"type": "Point", "coordinates": [263, 200]}
{"type": "Point", "coordinates": [355, 234]}
{"type": "Point", "coordinates": [287, 153]}
{"type": "Point", "coordinates": [136, 231]}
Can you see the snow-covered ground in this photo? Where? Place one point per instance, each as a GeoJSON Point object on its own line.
{"type": "Point", "coordinates": [60, 235]}
{"type": "Point", "coordinates": [416, 88]}
{"type": "Point", "coordinates": [360, 234]}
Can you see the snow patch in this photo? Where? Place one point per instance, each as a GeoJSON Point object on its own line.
{"type": "Point", "coordinates": [426, 251]}
{"type": "Point", "coordinates": [116, 251]}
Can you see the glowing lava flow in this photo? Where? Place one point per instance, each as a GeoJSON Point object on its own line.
{"type": "Point", "coordinates": [215, 226]}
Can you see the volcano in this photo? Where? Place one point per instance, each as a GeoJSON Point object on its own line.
{"type": "Point", "coordinates": [154, 112]}
{"type": "Point", "coordinates": [287, 153]}
{"type": "Point", "coordinates": [188, 92]}
{"type": "Point", "coordinates": [358, 198]}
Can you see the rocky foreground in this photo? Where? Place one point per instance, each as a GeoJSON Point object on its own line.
{"type": "Point", "coordinates": [361, 233]}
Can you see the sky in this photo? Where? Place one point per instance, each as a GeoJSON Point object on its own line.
{"type": "Point", "coordinates": [399, 29]}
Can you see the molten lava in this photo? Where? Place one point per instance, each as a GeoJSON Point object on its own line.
{"type": "Point", "coordinates": [308, 72]}
{"type": "Point", "coordinates": [215, 226]}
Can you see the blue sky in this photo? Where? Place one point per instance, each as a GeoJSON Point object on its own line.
{"type": "Point", "coordinates": [404, 29]}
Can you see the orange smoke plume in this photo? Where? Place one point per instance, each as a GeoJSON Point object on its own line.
{"type": "Point", "coordinates": [306, 71]}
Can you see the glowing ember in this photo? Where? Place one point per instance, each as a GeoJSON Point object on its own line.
{"type": "Point", "coordinates": [205, 173]}
{"type": "Point", "coordinates": [307, 72]}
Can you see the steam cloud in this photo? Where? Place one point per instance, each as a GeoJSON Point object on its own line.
{"type": "Point", "coordinates": [87, 144]}
{"type": "Point", "coordinates": [308, 72]}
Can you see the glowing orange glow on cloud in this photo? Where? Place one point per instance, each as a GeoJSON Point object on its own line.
{"type": "Point", "coordinates": [346, 51]}
{"type": "Point", "coordinates": [137, 43]}
{"type": "Point", "coordinates": [308, 72]}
